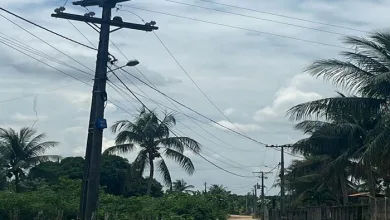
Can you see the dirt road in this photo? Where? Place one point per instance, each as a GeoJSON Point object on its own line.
{"type": "Point", "coordinates": [239, 217]}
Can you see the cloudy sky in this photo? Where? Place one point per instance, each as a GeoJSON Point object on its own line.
{"type": "Point", "coordinates": [252, 73]}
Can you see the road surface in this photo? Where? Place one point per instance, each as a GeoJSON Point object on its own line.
{"type": "Point", "coordinates": [240, 217]}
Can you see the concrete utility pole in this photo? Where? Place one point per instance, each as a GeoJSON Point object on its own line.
{"type": "Point", "coordinates": [91, 179]}
{"type": "Point", "coordinates": [262, 176]}
{"type": "Point", "coordinates": [205, 187]}
{"type": "Point", "coordinates": [282, 184]}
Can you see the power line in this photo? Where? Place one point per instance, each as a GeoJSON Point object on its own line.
{"type": "Point", "coordinates": [47, 43]}
{"type": "Point", "coordinates": [43, 62]}
{"type": "Point", "coordinates": [193, 120]}
{"type": "Point", "coordinates": [284, 16]}
{"type": "Point", "coordinates": [34, 51]}
{"type": "Point", "coordinates": [174, 132]}
{"type": "Point", "coordinates": [62, 72]}
{"type": "Point", "coordinates": [181, 123]}
{"type": "Point", "coordinates": [46, 29]}
{"type": "Point", "coordinates": [236, 27]}
{"type": "Point", "coordinates": [258, 18]}
{"type": "Point", "coordinates": [193, 82]}
{"type": "Point", "coordinates": [203, 116]}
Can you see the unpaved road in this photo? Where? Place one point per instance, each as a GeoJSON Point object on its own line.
{"type": "Point", "coordinates": [239, 217]}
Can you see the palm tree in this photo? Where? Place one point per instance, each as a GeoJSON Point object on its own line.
{"type": "Point", "coordinates": [182, 186]}
{"type": "Point", "coordinates": [22, 150]}
{"type": "Point", "coordinates": [366, 74]}
{"type": "Point", "coordinates": [152, 135]}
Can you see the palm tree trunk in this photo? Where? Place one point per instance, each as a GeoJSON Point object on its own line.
{"type": "Point", "coordinates": [344, 190]}
{"type": "Point", "coordinates": [371, 182]}
{"type": "Point", "coordinates": [151, 173]}
{"type": "Point", "coordinates": [17, 190]}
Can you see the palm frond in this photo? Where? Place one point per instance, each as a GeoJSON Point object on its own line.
{"type": "Point", "coordinates": [165, 125]}
{"type": "Point", "coordinates": [344, 74]}
{"type": "Point", "coordinates": [120, 148]}
{"type": "Point", "coordinates": [181, 143]}
{"type": "Point", "coordinates": [162, 168]}
{"type": "Point", "coordinates": [369, 47]}
{"type": "Point", "coordinates": [310, 126]}
{"type": "Point", "coordinates": [127, 136]}
{"type": "Point", "coordinates": [39, 148]}
{"type": "Point", "coordinates": [328, 107]}
{"type": "Point", "coordinates": [141, 161]}
{"type": "Point", "coordinates": [27, 133]}
{"type": "Point", "coordinates": [180, 158]}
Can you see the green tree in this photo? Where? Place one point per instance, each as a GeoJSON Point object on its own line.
{"type": "Point", "coordinates": [364, 73]}
{"type": "Point", "coordinates": [182, 186]}
{"type": "Point", "coordinates": [22, 150]}
{"type": "Point", "coordinates": [152, 135]}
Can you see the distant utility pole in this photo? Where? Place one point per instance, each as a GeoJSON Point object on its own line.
{"type": "Point", "coordinates": [205, 187]}
{"type": "Point", "coordinates": [90, 187]}
{"type": "Point", "coordinates": [282, 184]}
{"type": "Point", "coordinates": [262, 176]}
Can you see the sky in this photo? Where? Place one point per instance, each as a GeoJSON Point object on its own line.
{"type": "Point", "coordinates": [252, 69]}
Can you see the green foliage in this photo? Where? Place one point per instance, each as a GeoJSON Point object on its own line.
{"type": "Point", "coordinates": [151, 133]}
{"type": "Point", "coordinates": [22, 150]}
{"type": "Point", "coordinates": [349, 148]}
{"type": "Point", "coordinates": [64, 197]}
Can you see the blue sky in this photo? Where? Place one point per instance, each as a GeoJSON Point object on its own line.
{"type": "Point", "coordinates": [254, 78]}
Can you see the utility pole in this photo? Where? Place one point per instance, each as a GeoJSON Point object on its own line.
{"type": "Point", "coordinates": [262, 176]}
{"type": "Point", "coordinates": [205, 187]}
{"type": "Point", "coordinates": [97, 123]}
{"type": "Point", "coordinates": [282, 182]}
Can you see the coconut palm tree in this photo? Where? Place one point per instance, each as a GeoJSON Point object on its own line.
{"type": "Point", "coordinates": [182, 186]}
{"type": "Point", "coordinates": [365, 72]}
{"type": "Point", "coordinates": [152, 135]}
{"type": "Point", "coordinates": [22, 150]}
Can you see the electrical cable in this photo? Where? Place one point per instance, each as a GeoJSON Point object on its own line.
{"type": "Point", "coordinates": [43, 62]}
{"type": "Point", "coordinates": [34, 51]}
{"type": "Point", "coordinates": [203, 116]}
{"type": "Point", "coordinates": [47, 43]}
{"type": "Point", "coordinates": [253, 17]}
{"type": "Point", "coordinates": [62, 72]}
{"type": "Point", "coordinates": [196, 85]}
{"type": "Point", "coordinates": [195, 133]}
{"type": "Point", "coordinates": [284, 16]}
{"type": "Point", "coordinates": [236, 27]}
{"type": "Point", "coordinates": [169, 99]}
{"type": "Point", "coordinates": [46, 29]}
{"type": "Point", "coordinates": [143, 105]}
{"type": "Point", "coordinates": [183, 124]}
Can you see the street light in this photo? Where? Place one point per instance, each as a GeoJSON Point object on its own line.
{"type": "Point", "coordinates": [129, 63]}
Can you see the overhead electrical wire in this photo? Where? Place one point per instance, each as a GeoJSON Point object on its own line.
{"type": "Point", "coordinates": [253, 17]}
{"type": "Point", "coordinates": [236, 27]}
{"type": "Point", "coordinates": [34, 51]}
{"type": "Point", "coordinates": [199, 154]}
{"type": "Point", "coordinates": [46, 29]}
{"type": "Point", "coordinates": [284, 16]}
{"type": "Point", "coordinates": [194, 121]}
{"type": "Point", "coordinates": [182, 123]}
{"type": "Point", "coordinates": [203, 116]}
{"type": "Point", "coordinates": [47, 43]}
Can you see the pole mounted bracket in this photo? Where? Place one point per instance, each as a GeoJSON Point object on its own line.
{"type": "Point", "coordinates": [101, 123]}
{"type": "Point", "coordinates": [101, 3]}
{"type": "Point", "coordinates": [114, 22]}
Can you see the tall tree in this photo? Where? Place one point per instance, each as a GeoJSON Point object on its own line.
{"type": "Point", "coordinates": [365, 72]}
{"type": "Point", "coordinates": [22, 150]}
{"type": "Point", "coordinates": [182, 186]}
{"type": "Point", "coordinates": [152, 135]}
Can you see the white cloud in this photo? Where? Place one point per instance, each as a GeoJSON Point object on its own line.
{"type": "Point", "coordinates": [285, 98]}
{"type": "Point", "coordinates": [237, 126]}
{"type": "Point", "coordinates": [229, 111]}
{"type": "Point", "coordinates": [245, 71]}
{"type": "Point", "coordinates": [18, 117]}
